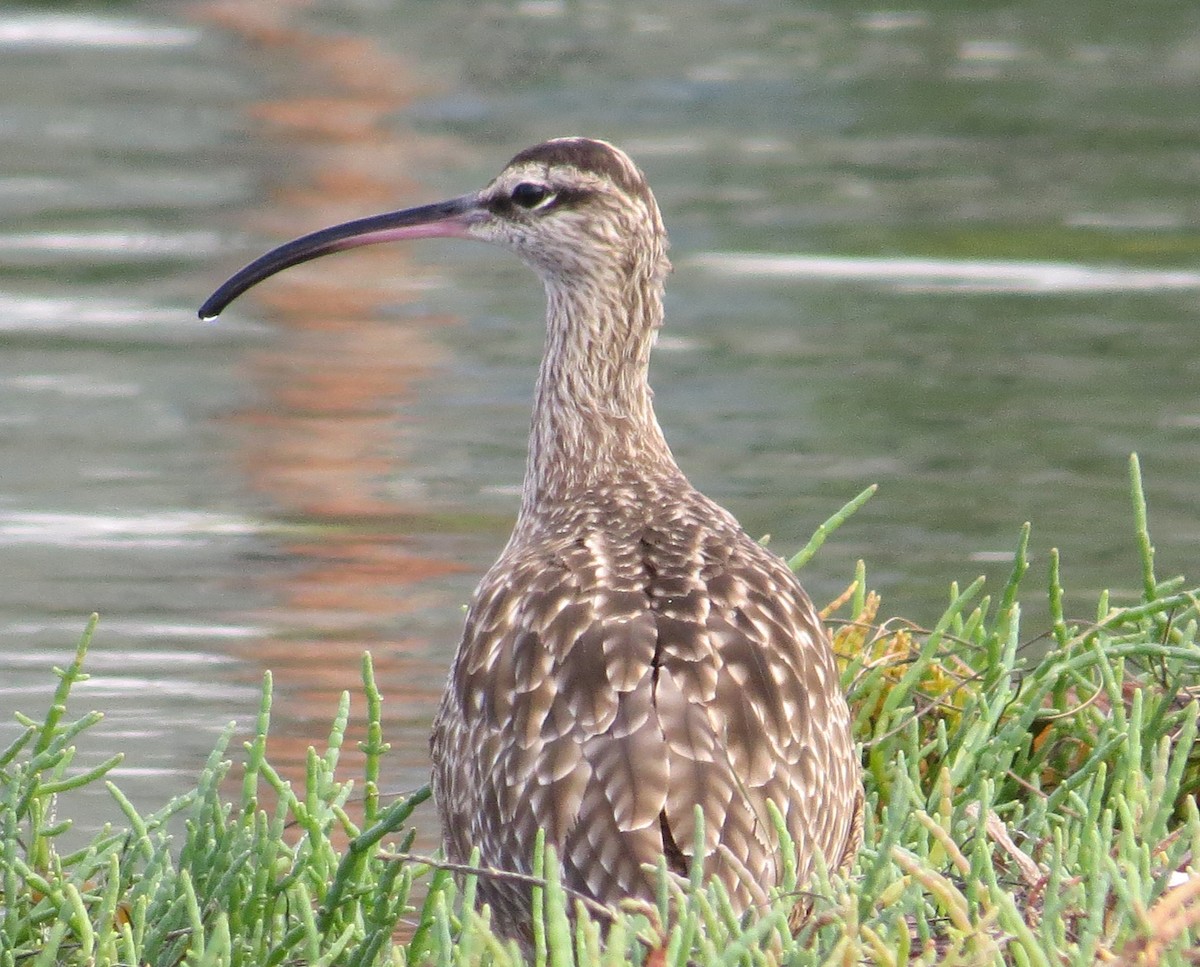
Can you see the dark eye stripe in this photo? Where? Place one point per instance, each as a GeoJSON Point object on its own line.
{"type": "Point", "coordinates": [508, 204]}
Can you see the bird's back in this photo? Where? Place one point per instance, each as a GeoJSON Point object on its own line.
{"type": "Point", "coordinates": [632, 655]}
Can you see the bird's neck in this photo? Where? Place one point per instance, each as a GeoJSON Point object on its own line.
{"type": "Point", "coordinates": [593, 419]}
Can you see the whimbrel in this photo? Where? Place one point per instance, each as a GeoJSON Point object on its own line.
{"type": "Point", "coordinates": [633, 654]}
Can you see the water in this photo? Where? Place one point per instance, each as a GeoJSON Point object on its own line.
{"type": "Point", "coordinates": [948, 251]}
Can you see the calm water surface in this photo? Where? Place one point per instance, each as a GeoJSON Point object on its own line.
{"type": "Point", "coordinates": [949, 251]}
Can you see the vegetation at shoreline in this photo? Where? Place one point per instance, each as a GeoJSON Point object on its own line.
{"type": "Point", "coordinates": [1025, 805]}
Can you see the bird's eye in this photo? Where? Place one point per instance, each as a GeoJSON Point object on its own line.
{"type": "Point", "coordinates": [529, 195]}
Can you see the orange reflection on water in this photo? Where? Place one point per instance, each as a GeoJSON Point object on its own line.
{"type": "Point", "coordinates": [321, 446]}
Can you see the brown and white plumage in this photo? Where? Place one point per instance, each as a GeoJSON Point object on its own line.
{"type": "Point", "coordinates": [633, 653]}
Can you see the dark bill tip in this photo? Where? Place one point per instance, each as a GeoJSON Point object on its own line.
{"type": "Point", "coordinates": [447, 219]}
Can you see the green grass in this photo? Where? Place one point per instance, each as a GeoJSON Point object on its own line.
{"type": "Point", "coordinates": [1032, 799]}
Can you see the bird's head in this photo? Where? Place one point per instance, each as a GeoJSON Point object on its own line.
{"type": "Point", "coordinates": [575, 209]}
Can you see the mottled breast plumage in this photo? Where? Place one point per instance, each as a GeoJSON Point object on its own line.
{"type": "Point", "coordinates": [622, 665]}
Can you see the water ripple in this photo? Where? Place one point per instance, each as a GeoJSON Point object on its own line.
{"type": "Point", "coordinates": [132, 629]}
{"type": "Point", "coordinates": [951, 275]}
{"type": "Point", "coordinates": [113, 245]}
{"type": "Point", "coordinates": [20, 313]}
{"type": "Point", "coordinates": [81, 30]}
{"type": "Point", "coordinates": [46, 314]}
{"type": "Point", "coordinates": [168, 529]}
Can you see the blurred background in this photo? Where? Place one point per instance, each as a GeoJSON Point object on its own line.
{"type": "Point", "coordinates": [945, 248]}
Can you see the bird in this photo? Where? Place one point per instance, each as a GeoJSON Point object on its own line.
{"type": "Point", "coordinates": [633, 661]}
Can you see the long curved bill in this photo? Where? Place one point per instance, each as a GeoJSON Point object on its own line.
{"type": "Point", "coordinates": [446, 219]}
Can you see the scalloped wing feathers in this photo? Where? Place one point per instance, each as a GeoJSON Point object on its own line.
{"type": "Point", "coordinates": [613, 677]}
